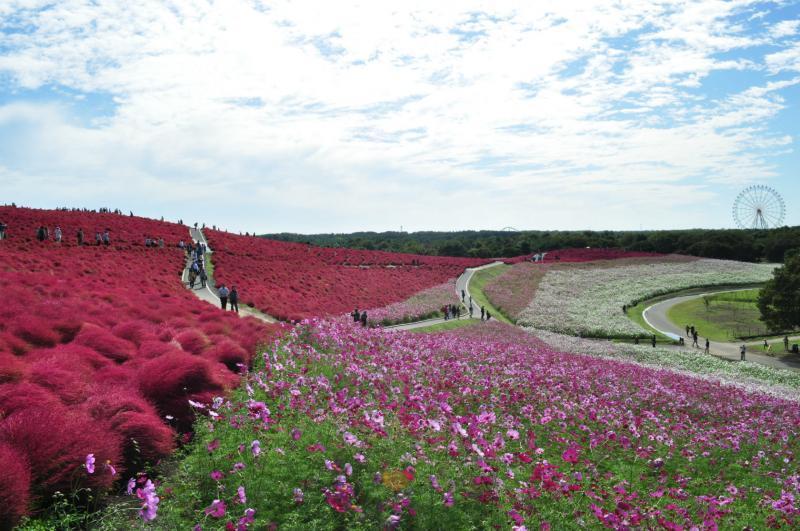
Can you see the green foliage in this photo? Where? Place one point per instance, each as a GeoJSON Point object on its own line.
{"type": "Point", "coordinates": [747, 245]}
{"type": "Point", "coordinates": [779, 301]}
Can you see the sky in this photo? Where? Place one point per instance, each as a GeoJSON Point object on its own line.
{"type": "Point", "coordinates": [341, 116]}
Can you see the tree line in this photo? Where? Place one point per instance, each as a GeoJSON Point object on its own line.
{"type": "Point", "coordinates": [734, 244]}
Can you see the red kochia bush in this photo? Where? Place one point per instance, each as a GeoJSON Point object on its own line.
{"type": "Point", "coordinates": [192, 340]}
{"type": "Point", "coordinates": [105, 343]}
{"type": "Point", "coordinates": [36, 331]}
{"type": "Point", "coordinates": [18, 396]}
{"type": "Point", "coordinates": [145, 436]}
{"type": "Point", "coordinates": [171, 380]}
{"type": "Point", "coordinates": [60, 377]}
{"type": "Point", "coordinates": [12, 369]}
{"type": "Point", "coordinates": [55, 442]}
{"type": "Point", "coordinates": [15, 484]}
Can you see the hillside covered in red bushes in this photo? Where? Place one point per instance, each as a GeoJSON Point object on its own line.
{"type": "Point", "coordinates": [295, 281]}
{"type": "Point", "coordinates": [101, 348]}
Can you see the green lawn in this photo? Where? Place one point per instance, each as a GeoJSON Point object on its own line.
{"type": "Point", "coordinates": [722, 316]}
{"type": "Point", "coordinates": [635, 313]}
{"type": "Point", "coordinates": [476, 284]}
{"type": "Point", "coordinates": [449, 325]}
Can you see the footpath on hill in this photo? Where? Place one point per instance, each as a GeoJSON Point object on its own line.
{"type": "Point", "coordinates": [209, 292]}
{"type": "Point", "coordinates": [656, 317]}
{"type": "Point", "coordinates": [462, 283]}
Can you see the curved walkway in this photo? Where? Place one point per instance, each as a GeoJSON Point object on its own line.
{"type": "Point", "coordinates": [656, 316]}
{"type": "Point", "coordinates": [462, 283]}
{"type": "Point", "coordinates": [209, 292]}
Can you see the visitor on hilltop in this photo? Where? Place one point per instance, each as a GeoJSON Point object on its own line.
{"type": "Point", "coordinates": [98, 238]}
{"type": "Point", "coordinates": [107, 237]}
{"type": "Point", "coordinates": [41, 233]}
{"type": "Point", "coordinates": [364, 318]}
{"type": "Point", "coordinates": [79, 236]}
{"type": "Point", "coordinates": [223, 296]}
{"type": "Point", "coordinates": [161, 243]}
{"type": "Point", "coordinates": [181, 245]}
{"type": "Point", "coordinates": [3, 228]}
{"type": "Point", "coordinates": [234, 299]}
{"type": "Point", "coordinates": [58, 234]}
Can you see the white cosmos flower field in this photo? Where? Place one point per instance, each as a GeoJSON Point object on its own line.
{"type": "Point", "coordinates": [588, 302]}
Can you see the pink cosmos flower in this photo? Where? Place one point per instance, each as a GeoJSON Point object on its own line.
{"type": "Point", "coordinates": [298, 495]}
{"type": "Point", "coordinates": [90, 463]}
{"type": "Point", "coordinates": [111, 468]}
{"type": "Point", "coordinates": [248, 518]}
{"type": "Point", "coordinates": [213, 445]}
{"type": "Point", "coordinates": [216, 509]}
{"type": "Point", "coordinates": [241, 495]}
{"type": "Point", "coordinates": [513, 434]}
{"type": "Point", "coordinates": [448, 499]}
{"type": "Point", "coordinates": [131, 486]}
{"type": "Point", "coordinates": [216, 475]}
{"type": "Point", "coordinates": [360, 458]}
{"type": "Point", "coordinates": [149, 501]}
{"type": "Point", "coordinates": [296, 434]}
{"type": "Point", "coordinates": [348, 469]}
{"type": "Point", "coordinates": [255, 447]}
{"type": "Point", "coordinates": [571, 454]}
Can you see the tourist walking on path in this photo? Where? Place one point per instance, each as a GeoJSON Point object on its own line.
{"type": "Point", "coordinates": [786, 343]}
{"type": "Point", "coordinates": [483, 313]}
{"type": "Point", "coordinates": [708, 346]}
{"type": "Point", "coordinates": [223, 297]}
{"type": "Point", "coordinates": [203, 277]}
{"type": "Point", "coordinates": [694, 339]}
{"type": "Point", "coordinates": [463, 294]}
{"type": "Point", "coordinates": [742, 351]}
{"type": "Point", "coordinates": [234, 299]}
{"type": "Point", "coordinates": [471, 309]}
{"type": "Point", "coordinates": [488, 316]}
{"type": "Point", "coordinates": [653, 340]}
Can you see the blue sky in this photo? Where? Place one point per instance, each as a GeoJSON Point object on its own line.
{"type": "Point", "coordinates": [342, 116]}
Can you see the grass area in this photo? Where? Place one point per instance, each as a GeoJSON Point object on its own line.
{"type": "Point", "coordinates": [449, 325]}
{"type": "Point", "coordinates": [476, 284]}
{"type": "Point", "coordinates": [209, 266]}
{"type": "Point", "coordinates": [636, 314]}
{"type": "Point", "coordinates": [722, 316]}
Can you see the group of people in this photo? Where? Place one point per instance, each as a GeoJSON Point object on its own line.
{"type": "Point", "coordinates": [228, 296]}
{"type": "Point", "coordinates": [359, 317]}
{"type": "Point", "coordinates": [691, 332]}
{"type": "Point", "coordinates": [153, 242]}
{"type": "Point", "coordinates": [43, 234]}
{"type": "Point", "coordinates": [451, 311]}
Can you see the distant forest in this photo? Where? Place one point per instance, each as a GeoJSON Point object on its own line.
{"type": "Point", "coordinates": [747, 245]}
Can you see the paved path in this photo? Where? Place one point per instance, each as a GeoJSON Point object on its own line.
{"type": "Point", "coordinates": [462, 283]}
{"type": "Point", "coordinates": [656, 316]}
{"type": "Point", "coordinates": [209, 292]}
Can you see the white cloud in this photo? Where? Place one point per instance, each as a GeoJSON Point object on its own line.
{"type": "Point", "coordinates": [785, 28]}
{"type": "Point", "coordinates": [349, 108]}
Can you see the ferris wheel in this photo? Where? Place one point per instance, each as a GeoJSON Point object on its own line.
{"type": "Point", "coordinates": [758, 207]}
